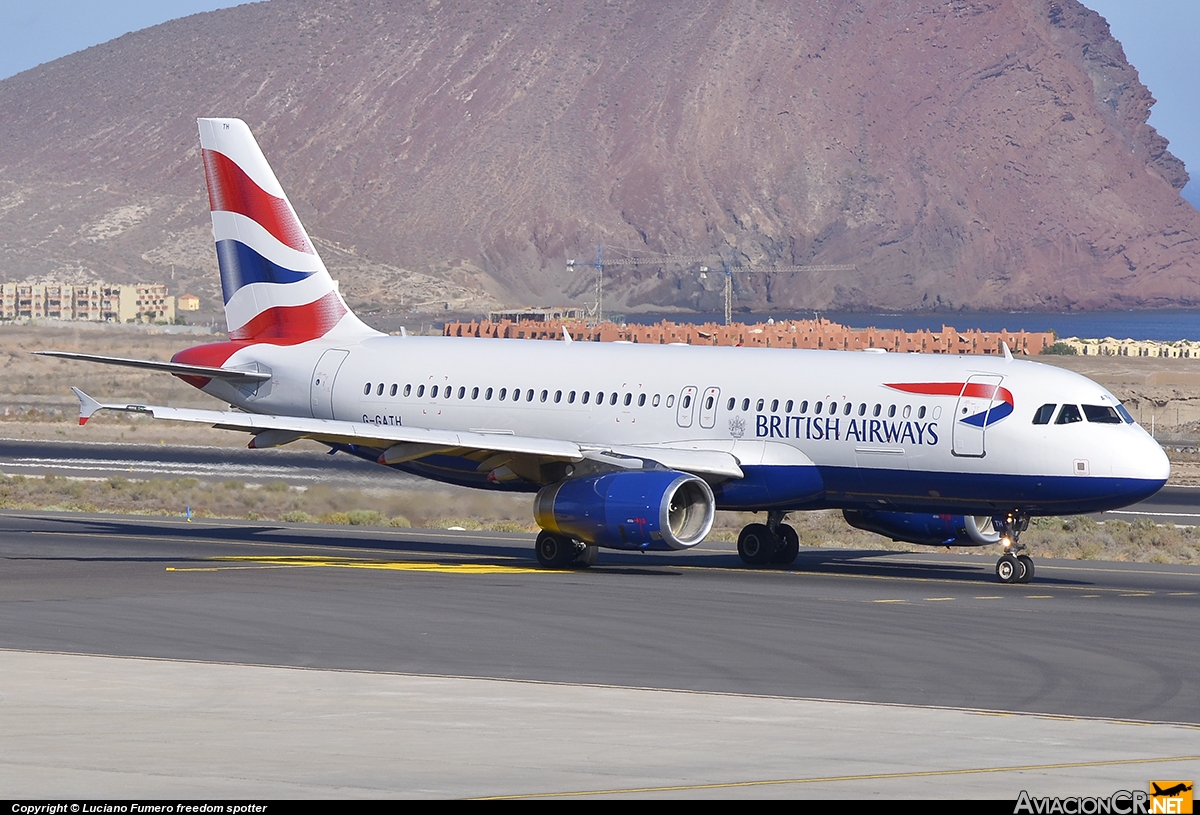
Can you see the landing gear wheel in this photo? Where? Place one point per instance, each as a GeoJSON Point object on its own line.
{"type": "Point", "coordinates": [585, 555]}
{"type": "Point", "coordinates": [789, 545]}
{"type": "Point", "coordinates": [756, 545]}
{"type": "Point", "coordinates": [1027, 562]}
{"type": "Point", "coordinates": [554, 551]}
{"type": "Point", "coordinates": [1009, 569]}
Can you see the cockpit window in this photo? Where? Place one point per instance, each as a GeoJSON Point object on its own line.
{"type": "Point", "coordinates": [1125, 414]}
{"type": "Point", "coordinates": [1044, 414]}
{"type": "Point", "coordinates": [1069, 415]}
{"type": "Point", "coordinates": [1101, 413]}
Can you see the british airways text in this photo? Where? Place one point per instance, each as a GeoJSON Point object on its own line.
{"type": "Point", "coordinates": [878, 431]}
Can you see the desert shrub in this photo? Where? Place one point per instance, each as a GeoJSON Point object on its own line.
{"type": "Point", "coordinates": [400, 521]}
{"type": "Point", "coordinates": [366, 517]}
{"type": "Point", "coordinates": [336, 518]}
{"type": "Point", "coordinates": [297, 517]}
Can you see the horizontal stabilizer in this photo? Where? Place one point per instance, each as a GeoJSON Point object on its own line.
{"type": "Point", "coordinates": [177, 368]}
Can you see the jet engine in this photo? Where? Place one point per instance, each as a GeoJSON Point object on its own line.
{"type": "Point", "coordinates": [929, 530]}
{"type": "Point", "coordinates": [655, 510]}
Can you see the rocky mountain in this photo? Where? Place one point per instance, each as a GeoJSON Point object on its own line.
{"type": "Point", "coordinates": [960, 154]}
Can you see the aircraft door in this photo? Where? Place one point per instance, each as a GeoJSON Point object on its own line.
{"type": "Point", "coordinates": [979, 395]}
{"type": "Point", "coordinates": [708, 407]}
{"type": "Point", "coordinates": [321, 391]}
{"type": "Point", "coordinates": [687, 406]}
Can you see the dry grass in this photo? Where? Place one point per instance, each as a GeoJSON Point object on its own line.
{"type": "Point", "coordinates": [1077, 538]}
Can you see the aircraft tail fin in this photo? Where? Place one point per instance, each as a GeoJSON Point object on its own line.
{"type": "Point", "coordinates": [276, 288]}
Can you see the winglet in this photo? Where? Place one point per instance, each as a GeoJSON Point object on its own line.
{"type": "Point", "coordinates": [87, 405]}
{"type": "Point", "coordinates": [1007, 353]}
{"type": "Point", "coordinates": [566, 336]}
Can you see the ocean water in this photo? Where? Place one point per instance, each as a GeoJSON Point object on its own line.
{"type": "Point", "coordinates": [1138, 325]}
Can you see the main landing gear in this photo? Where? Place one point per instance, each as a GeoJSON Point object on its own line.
{"type": "Point", "coordinates": [1013, 567]}
{"type": "Point", "coordinates": [773, 542]}
{"type": "Point", "coordinates": [561, 552]}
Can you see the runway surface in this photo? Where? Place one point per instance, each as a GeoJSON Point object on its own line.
{"type": "Point", "coordinates": [1083, 645]}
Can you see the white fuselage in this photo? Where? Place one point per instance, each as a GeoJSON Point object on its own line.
{"type": "Point", "coordinates": [873, 444]}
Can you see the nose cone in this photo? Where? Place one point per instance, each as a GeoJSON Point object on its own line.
{"type": "Point", "coordinates": [1141, 465]}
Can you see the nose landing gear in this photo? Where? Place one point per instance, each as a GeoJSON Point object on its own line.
{"type": "Point", "coordinates": [1013, 567]}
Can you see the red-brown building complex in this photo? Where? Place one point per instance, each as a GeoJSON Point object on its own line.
{"type": "Point", "coordinates": [817, 333]}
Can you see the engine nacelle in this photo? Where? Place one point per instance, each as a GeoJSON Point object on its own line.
{"type": "Point", "coordinates": [640, 509]}
{"type": "Point", "coordinates": [929, 530]}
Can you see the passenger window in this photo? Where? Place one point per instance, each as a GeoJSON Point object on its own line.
{"type": "Point", "coordinates": [687, 401]}
{"type": "Point", "coordinates": [1068, 415]}
{"type": "Point", "coordinates": [395, 388]}
{"type": "Point", "coordinates": [629, 398]}
{"type": "Point", "coordinates": [585, 397]}
{"type": "Point", "coordinates": [846, 410]}
{"type": "Point", "coordinates": [875, 411]}
{"type": "Point", "coordinates": [745, 404]}
{"type": "Point", "coordinates": [758, 406]}
{"type": "Point", "coordinates": [612, 400]}
{"type": "Point", "coordinates": [921, 412]}
{"type": "Point", "coordinates": [907, 411]}
{"type": "Point", "coordinates": [420, 391]}
{"type": "Point", "coordinates": [729, 405]}
{"type": "Point", "coordinates": [1101, 414]}
{"type": "Point", "coordinates": [462, 392]}
{"type": "Point", "coordinates": [804, 406]}
{"type": "Point", "coordinates": [641, 400]}
{"type": "Point", "coordinates": [708, 403]}
{"type": "Point", "coordinates": [891, 411]}
{"type": "Point", "coordinates": [379, 390]}
{"type": "Point", "coordinates": [557, 397]}
{"type": "Point", "coordinates": [654, 402]}
{"type": "Point", "coordinates": [529, 395]}
{"type": "Point", "coordinates": [500, 396]}
{"type": "Point", "coordinates": [367, 389]}
{"type": "Point", "coordinates": [670, 400]}
{"type": "Point", "coordinates": [833, 408]}
{"type": "Point", "coordinates": [487, 396]}
{"type": "Point", "coordinates": [571, 398]}
{"type": "Point", "coordinates": [1044, 414]}
{"type": "Point", "coordinates": [817, 408]}
{"type": "Point", "coordinates": [774, 405]}
{"type": "Point", "coordinates": [545, 395]}
{"type": "Point", "coordinates": [407, 390]}
{"type": "Point", "coordinates": [788, 407]}
{"type": "Point", "coordinates": [433, 392]}
{"type": "Point", "coordinates": [862, 409]}
{"type": "Point", "coordinates": [474, 393]}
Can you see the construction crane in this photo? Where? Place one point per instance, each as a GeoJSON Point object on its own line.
{"type": "Point", "coordinates": [685, 260]}
{"type": "Point", "coordinates": [730, 271]}
{"type": "Point", "coordinates": [661, 260]}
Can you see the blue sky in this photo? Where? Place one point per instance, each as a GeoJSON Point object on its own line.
{"type": "Point", "coordinates": [1159, 36]}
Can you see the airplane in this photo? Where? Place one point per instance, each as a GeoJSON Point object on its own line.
{"type": "Point", "coordinates": [1170, 792]}
{"type": "Point", "coordinates": [632, 446]}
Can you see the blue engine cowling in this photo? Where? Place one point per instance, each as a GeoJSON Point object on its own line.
{"type": "Point", "coordinates": [929, 530]}
{"type": "Point", "coordinates": [655, 510]}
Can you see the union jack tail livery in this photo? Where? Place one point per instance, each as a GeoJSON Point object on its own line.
{"type": "Point", "coordinates": [275, 286]}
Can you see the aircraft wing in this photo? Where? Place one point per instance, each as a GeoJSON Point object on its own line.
{"type": "Point", "coordinates": [404, 443]}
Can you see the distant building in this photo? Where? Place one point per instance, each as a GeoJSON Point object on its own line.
{"type": "Point", "coordinates": [97, 302]}
{"type": "Point", "coordinates": [819, 333]}
{"type": "Point", "coordinates": [188, 302]}
{"type": "Point", "coordinates": [537, 315]}
{"type": "Point", "coordinates": [1111, 347]}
